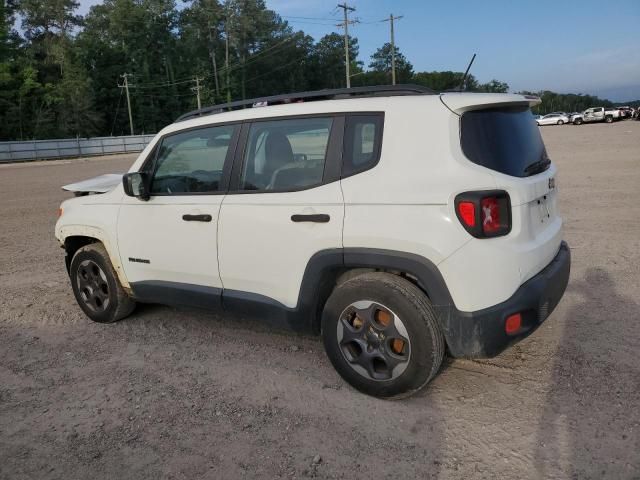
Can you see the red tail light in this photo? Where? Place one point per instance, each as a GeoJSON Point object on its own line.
{"type": "Point", "coordinates": [484, 214]}
{"type": "Point", "coordinates": [490, 215]}
{"type": "Point", "coordinates": [467, 212]}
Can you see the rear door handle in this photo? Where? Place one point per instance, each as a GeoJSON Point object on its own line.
{"type": "Point", "coordinates": [315, 217]}
{"type": "Point", "coordinates": [196, 218]}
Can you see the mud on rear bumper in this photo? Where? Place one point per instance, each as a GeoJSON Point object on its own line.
{"type": "Point", "coordinates": [481, 334]}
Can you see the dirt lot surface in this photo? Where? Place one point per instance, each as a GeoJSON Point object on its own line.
{"type": "Point", "coordinates": [174, 393]}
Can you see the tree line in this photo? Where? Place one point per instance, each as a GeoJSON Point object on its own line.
{"type": "Point", "coordinates": [61, 73]}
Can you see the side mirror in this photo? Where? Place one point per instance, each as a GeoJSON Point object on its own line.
{"type": "Point", "coordinates": [135, 185]}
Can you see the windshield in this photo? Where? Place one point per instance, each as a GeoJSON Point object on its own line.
{"type": "Point", "coordinates": [505, 139]}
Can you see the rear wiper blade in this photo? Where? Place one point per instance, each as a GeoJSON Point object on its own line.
{"type": "Point", "coordinates": [537, 166]}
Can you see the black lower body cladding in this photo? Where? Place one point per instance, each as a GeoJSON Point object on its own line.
{"type": "Point", "coordinates": [482, 334]}
{"type": "Point", "coordinates": [479, 334]}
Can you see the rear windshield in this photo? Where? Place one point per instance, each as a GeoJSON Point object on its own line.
{"type": "Point", "coordinates": [506, 140]}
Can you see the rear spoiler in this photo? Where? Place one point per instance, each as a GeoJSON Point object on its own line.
{"type": "Point", "coordinates": [461, 102]}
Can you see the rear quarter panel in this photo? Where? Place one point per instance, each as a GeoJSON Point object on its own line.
{"type": "Point", "coordinates": [402, 203]}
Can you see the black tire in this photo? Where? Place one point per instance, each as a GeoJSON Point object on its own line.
{"type": "Point", "coordinates": [608, 119]}
{"type": "Point", "coordinates": [423, 350]}
{"type": "Point", "coordinates": [96, 285]}
{"type": "Point", "coordinates": [577, 121]}
{"type": "Point", "coordinates": [560, 122]}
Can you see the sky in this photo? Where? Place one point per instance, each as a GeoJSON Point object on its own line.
{"type": "Point", "coordinates": [568, 46]}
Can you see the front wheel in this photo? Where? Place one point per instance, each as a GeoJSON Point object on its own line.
{"type": "Point", "coordinates": [577, 121]}
{"type": "Point", "coordinates": [609, 119]}
{"type": "Point", "coordinates": [96, 285]}
{"type": "Point", "coordinates": [382, 336]}
{"type": "Point", "coordinates": [560, 122]}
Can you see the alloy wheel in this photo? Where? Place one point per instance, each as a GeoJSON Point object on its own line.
{"type": "Point", "coordinates": [93, 286]}
{"type": "Point", "coordinates": [373, 340]}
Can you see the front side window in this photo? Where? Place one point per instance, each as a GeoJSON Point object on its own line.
{"type": "Point", "coordinates": [191, 162]}
{"type": "Point", "coordinates": [285, 154]}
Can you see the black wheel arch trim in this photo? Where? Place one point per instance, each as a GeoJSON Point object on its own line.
{"type": "Point", "coordinates": [321, 275]}
{"type": "Point", "coordinates": [72, 244]}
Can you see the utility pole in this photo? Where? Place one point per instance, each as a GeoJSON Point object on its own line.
{"type": "Point", "coordinates": [213, 60]}
{"type": "Point", "coordinates": [393, 47]}
{"type": "Point", "coordinates": [346, 9]}
{"type": "Point", "coordinates": [227, 31]}
{"type": "Point", "coordinates": [197, 89]}
{"type": "Point", "coordinates": [226, 61]}
{"type": "Point", "coordinates": [126, 88]}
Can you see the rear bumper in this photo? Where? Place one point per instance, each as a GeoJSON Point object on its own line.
{"type": "Point", "coordinates": [481, 334]}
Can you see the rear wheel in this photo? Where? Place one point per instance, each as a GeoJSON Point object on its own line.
{"type": "Point", "coordinates": [381, 335]}
{"type": "Point", "coordinates": [608, 119]}
{"type": "Point", "coordinates": [96, 285]}
{"type": "Point", "coordinates": [560, 122]}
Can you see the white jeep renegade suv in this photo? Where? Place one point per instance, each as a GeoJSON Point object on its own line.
{"type": "Point", "coordinates": [396, 222]}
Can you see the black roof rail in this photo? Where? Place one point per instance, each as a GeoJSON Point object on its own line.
{"type": "Point", "coordinates": [328, 94]}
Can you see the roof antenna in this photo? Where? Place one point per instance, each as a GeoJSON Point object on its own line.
{"type": "Point", "coordinates": [466, 72]}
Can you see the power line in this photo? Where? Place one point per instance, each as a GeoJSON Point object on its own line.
{"type": "Point", "coordinates": [307, 22]}
{"type": "Point", "coordinates": [158, 85]}
{"type": "Point", "coordinates": [254, 57]}
{"type": "Point", "coordinates": [166, 95]}
{"type": "Point", "coordinates": [308, 18]}
{"type": "Point", "coordinates": [273, 70]}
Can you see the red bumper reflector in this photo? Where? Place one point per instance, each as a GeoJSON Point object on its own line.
{"type": "Point", "coordinates": [513, 323]}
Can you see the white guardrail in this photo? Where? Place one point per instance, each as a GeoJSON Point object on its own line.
{"type": "Point", "coordinates": [24, 151]}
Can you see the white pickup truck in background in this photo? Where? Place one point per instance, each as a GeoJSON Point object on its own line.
{"type": "Point", "coordinates": [597, 114]}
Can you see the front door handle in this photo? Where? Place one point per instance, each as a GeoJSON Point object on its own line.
{"type": "Point", "coordinates": [315, 217]}
{"type": "Point", "coordinates": [196, 218]}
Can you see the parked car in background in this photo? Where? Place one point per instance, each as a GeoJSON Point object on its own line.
{"type": "Point", "coordinates": [614, 113]}
{"type": "Point", "coordinates": [553, 119]}
{"type": "Point", "coordinates": [597, 114]}
{"type": "Point", "coordinates": [626, 111]}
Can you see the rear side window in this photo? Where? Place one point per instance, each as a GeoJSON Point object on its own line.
{"type": "Point", "coordinates": [362, 141]}
{"type": "Point", "coordinates": [286, 155]}
{"type": "Point", "coordinates": [506, 140]}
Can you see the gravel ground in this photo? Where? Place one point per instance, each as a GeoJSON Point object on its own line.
{"type": "Point", "coordinates": [175, 393]}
